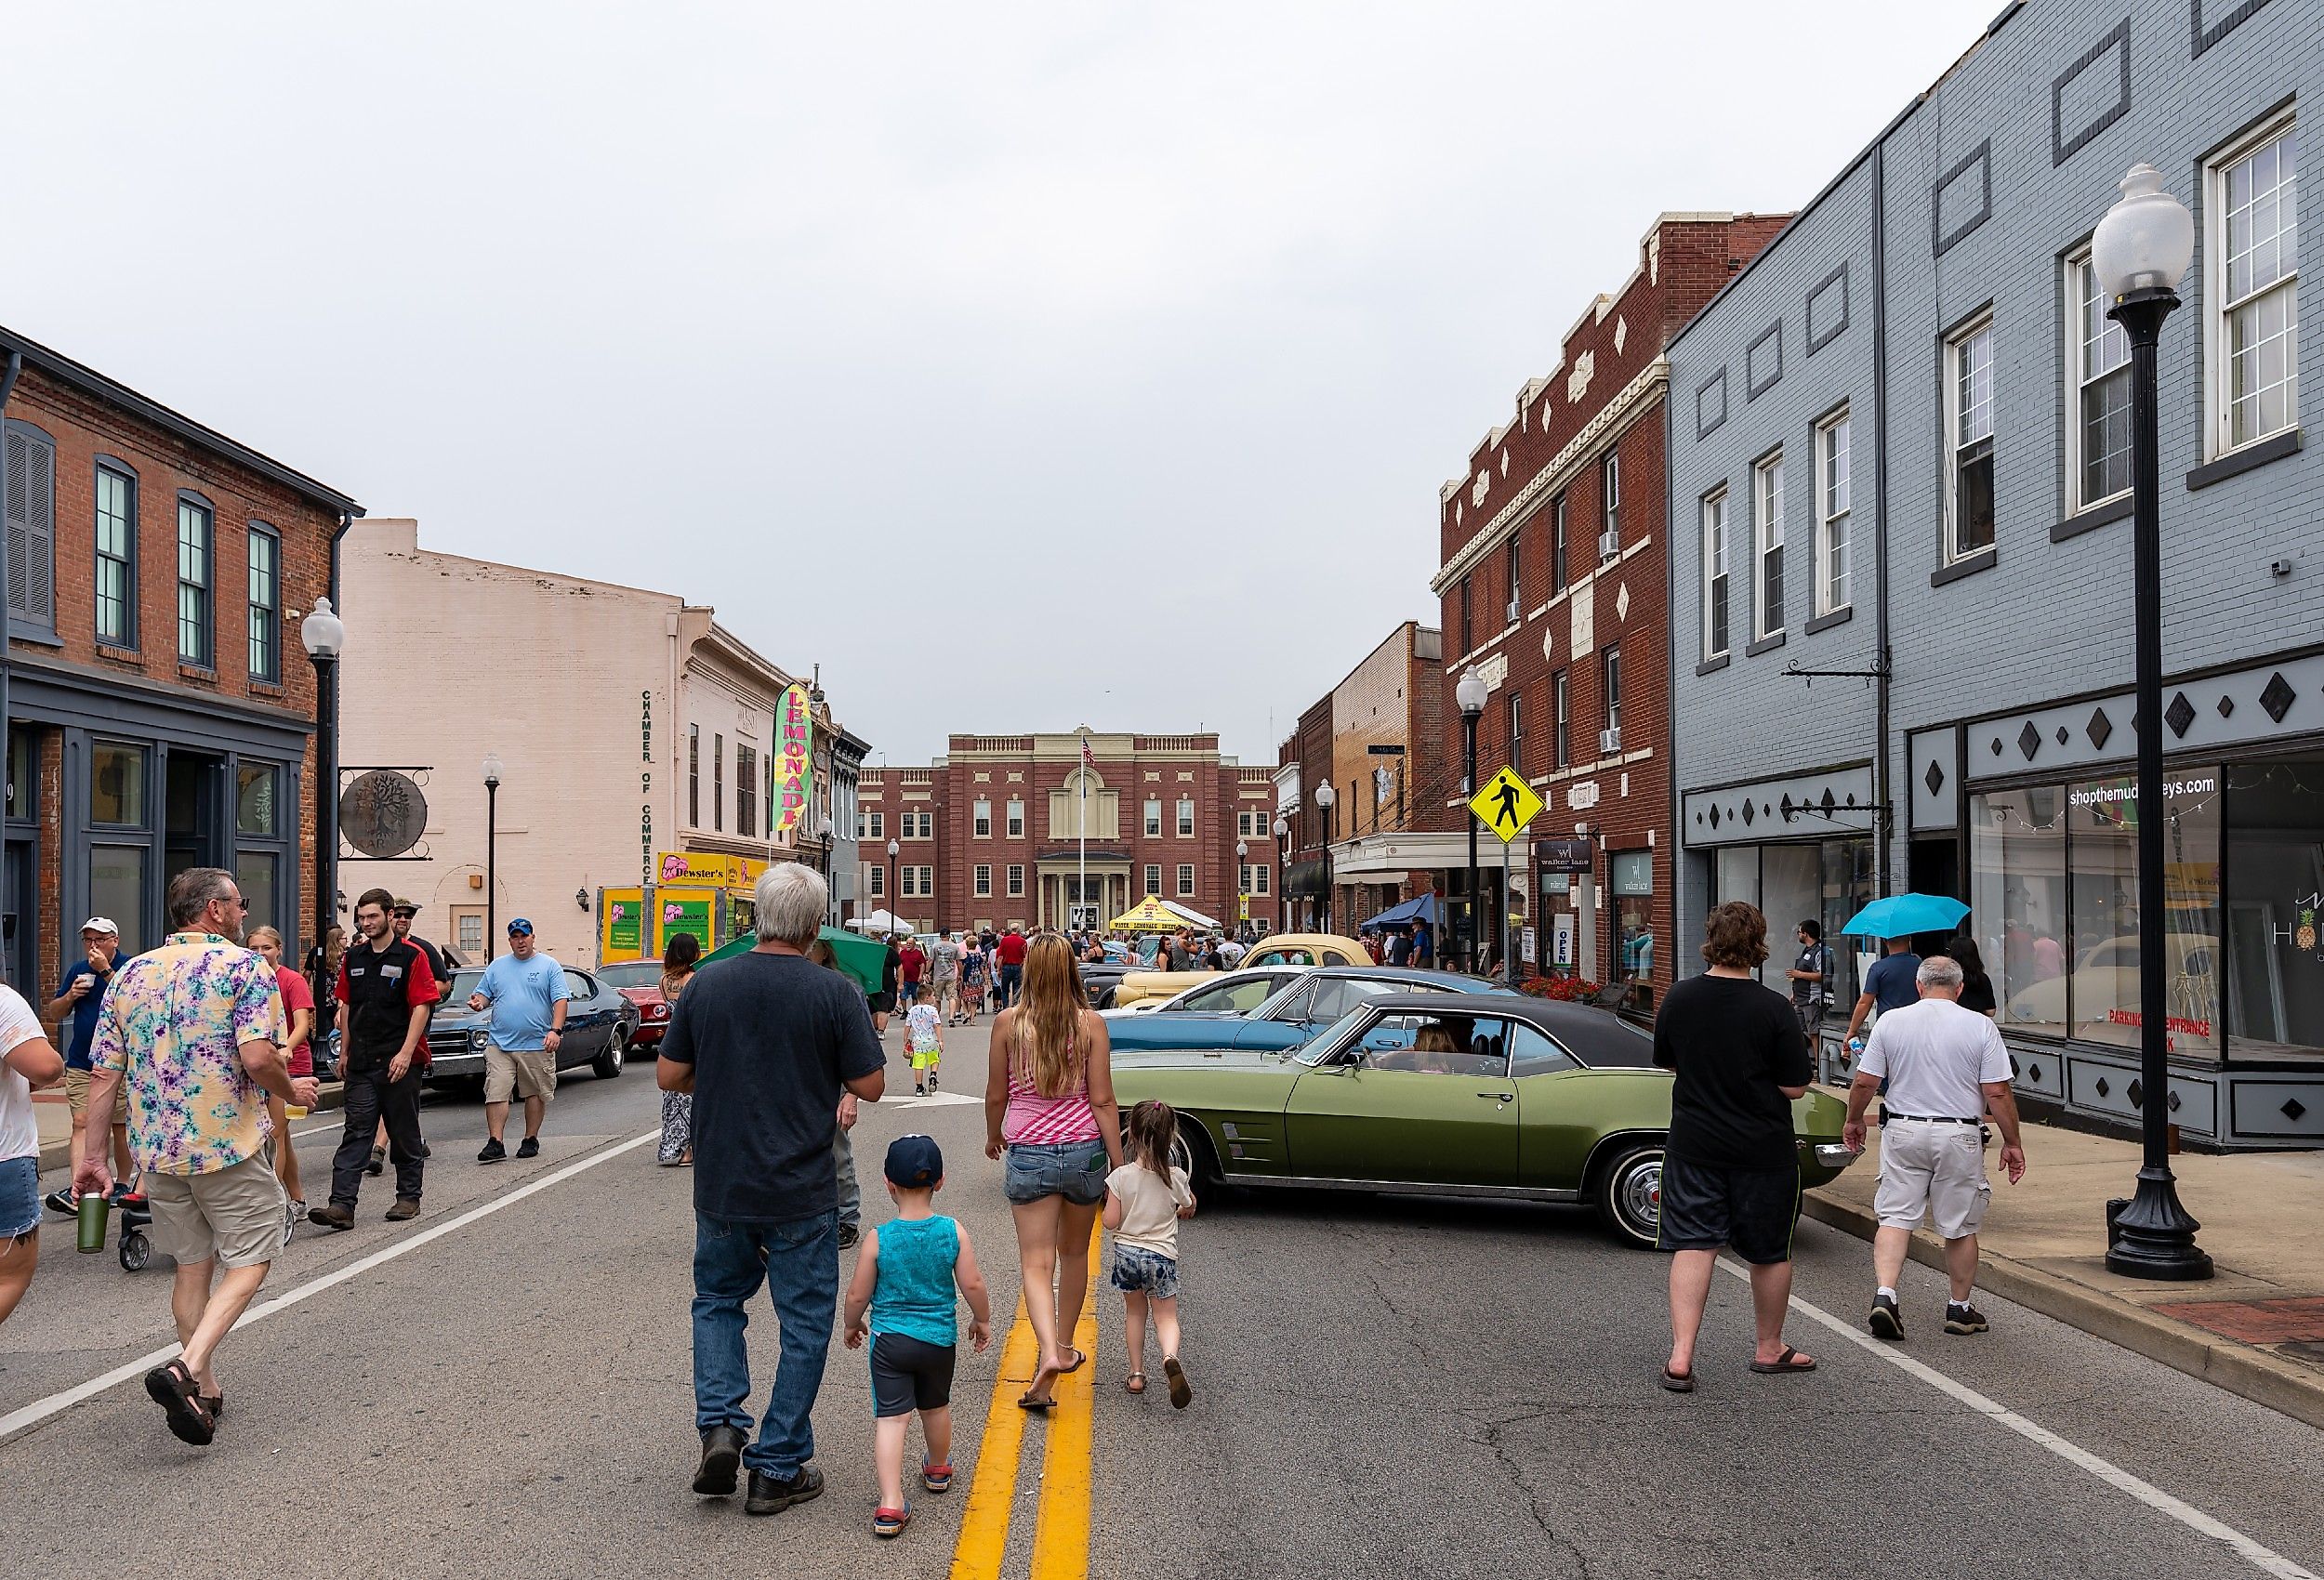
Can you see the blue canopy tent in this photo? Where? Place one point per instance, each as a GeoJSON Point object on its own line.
{"type": "Point", "coordinates": [1420, 910]}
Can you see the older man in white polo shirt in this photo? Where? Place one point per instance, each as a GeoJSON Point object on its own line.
{"type": "Point", "coordinates": [1946, 1068]}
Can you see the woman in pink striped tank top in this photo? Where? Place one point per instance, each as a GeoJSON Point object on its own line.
{"type": "Point", "coordinates": [1049, 1101]}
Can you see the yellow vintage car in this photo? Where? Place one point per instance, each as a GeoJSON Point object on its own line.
{"type": "Point", "coordinates": [1277, 949]}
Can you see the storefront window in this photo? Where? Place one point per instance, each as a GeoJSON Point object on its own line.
{"type": "Point", "coordinates": [1633, 878]}
{"type": "Point", "coordinates": [254, 799]}
{"type": "Point", "coordinates": [1791, 889]}
{"type": "Point", "coordinates": [116, 888]}
{"type": "Point", "coordinates": [1848, 879]}
{"type": "Point", "coordinates": [254, 874]}
{"type": "Point", "coordinates": [1738, 876]}
{"type": "Point", "coordinates": [2274, 895]}
{"type": "Point", "coordinates": [2017, 902]}
{"type": "Point", "coordinates": [116, 791]}
{"type": "Point", "coordinates": [23, 766]}
{"type": "Point", "coordinates": [2101, 852]}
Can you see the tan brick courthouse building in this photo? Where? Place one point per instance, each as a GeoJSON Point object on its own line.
{"type": "Point", "coordinates": [160, 704]}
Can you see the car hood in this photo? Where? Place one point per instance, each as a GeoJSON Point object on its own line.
{"type": "Point", "coordinates": [640, 995]}
{"type": "Point", "coordinates": [455, 1016]}
{"type": "Point", "coordinates": [1167, 1027]}
{"type": "Point", "coordinates": [1198, 1058]}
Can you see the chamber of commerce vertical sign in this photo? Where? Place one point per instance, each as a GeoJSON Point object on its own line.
{"type": "Point", "coordinates": [793, 762]}
{"type": "Point", "coordinates": [645, 787]}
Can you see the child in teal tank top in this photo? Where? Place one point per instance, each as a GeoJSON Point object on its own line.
{"type": "Point", "coordinates": [902, 1299]}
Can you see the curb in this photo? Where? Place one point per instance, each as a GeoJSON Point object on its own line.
{"type": "Point", "coordinates": [2239, 1368]}
{"type": "Point", "coordinates": [57, 1153]}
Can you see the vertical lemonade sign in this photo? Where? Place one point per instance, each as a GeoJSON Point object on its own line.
{"type": "Point", "coordinates": [793, 762]}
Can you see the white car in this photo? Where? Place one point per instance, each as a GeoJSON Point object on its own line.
{"type": "Point", "coordinates": [1229, 993]}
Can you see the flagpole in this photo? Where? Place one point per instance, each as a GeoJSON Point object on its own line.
{"type": "Point", "coordinates": [1081, 878]}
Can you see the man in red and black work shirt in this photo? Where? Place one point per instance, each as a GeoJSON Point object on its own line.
{"type": "Point", "coordinates": [1011, 952]}
{"type": "Point", "coordinates": [385, 990]}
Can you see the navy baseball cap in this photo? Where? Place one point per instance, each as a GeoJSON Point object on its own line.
{"type": "Point", "coordinates": [914, 1162]}
{"type": "Point", "coordinates": [520, 926]}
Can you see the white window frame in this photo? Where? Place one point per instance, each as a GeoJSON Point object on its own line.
{"type": "Point", "coordinates": [983, 880]}
{"type": "Point", "coordinates": [1186, 817]}
{"type": "Point", "coordinates": [1016, 819]}
{"type": "Point", "coordinates": [1767, 509]}
{"type": "Point", "coordinates": [2085, 309]}
{"type": "Point", "coordinates": [1959, 346]}
{"type": "Point", "coordinates": [1259, 879]}
{"type": "Point", "coordinates": [1153, 819]}
{"type": "Point", "coordinates": [875, 881]}
{"type": "Point", "coordinates": [981, 819]}
{"type": "Point", "coordinates": [1717, 603]}
{"type": "Point", "coordinates": [1186, 880]}
{"type": "Point", "coordinates": [1154, 878]}
{"type": "Point", "coordinates": [1016, 880]}
{"type": "Point", "coordinates": [1835, 491]}
{"type": "Point", "coordinates": [2223, 302]}
{"type": "Point", "coordinates": [1610, 503]}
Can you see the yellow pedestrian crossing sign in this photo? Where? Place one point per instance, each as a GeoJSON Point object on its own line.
{"type": "Point", "coordinates": [1505, 805]}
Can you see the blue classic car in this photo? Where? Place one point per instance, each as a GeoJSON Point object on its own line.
{"type": "Point", "coordinates": [1297, 1012]}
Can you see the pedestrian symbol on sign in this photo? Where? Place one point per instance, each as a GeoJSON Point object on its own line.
{"type": "Point", "coordinates": [1505, 804]}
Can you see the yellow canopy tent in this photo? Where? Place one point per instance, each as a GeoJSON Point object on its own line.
{"type": "Point", "coordinates": [1148, 916]}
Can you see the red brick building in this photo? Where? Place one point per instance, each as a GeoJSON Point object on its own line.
{"type": "Point", "coordinates": [991, 834]}
{"type": "Point", "coordinates": [1555, 591]}
{"type": "Point", "coordinates": [160, 704]}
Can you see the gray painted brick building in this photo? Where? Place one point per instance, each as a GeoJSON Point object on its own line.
{"type": "Point", "coordinates": [1899, 442]}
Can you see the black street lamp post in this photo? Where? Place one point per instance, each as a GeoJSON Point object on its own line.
{"type": "Point", "coordinates": [2140, 252]}
{"type": "Point", "coordinates": [1283, 873]}
{"type": "Point", "coordinates": [325, 634]}
{"type": "Point", "coordinates": [492, 847]}
{"type": "Point", "coordinates": [893, 848]}
{"type": "Point", "coordinates": [1470, 694]}
{"type": "Point", "coordinates": [1325, 795]}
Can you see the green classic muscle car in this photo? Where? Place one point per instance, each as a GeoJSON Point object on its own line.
{"type": "Point", "coordinates": [1473, 1095]}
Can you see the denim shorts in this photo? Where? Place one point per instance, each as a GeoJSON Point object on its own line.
{"type": "Point", "coordinates": [19, 1197]}
{"type": "Point", "coordinates": [1138, 1270]}
{"type": "Point", "coordinates": [1074, 1171]}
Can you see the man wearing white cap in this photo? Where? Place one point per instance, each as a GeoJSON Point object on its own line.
{"type": "Point", "coordinates": [79, 997]}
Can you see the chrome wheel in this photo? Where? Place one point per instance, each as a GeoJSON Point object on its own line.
{"type": "Point", "coordinates": [1629, 1194]}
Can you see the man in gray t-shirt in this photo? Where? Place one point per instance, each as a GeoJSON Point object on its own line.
{"type": "Point", "coordinates": [1944, 1068]}
{"type": "Point", "coordinates": [943, 961]}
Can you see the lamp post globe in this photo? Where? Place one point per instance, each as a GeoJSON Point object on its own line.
{"type": "Point", "coordinates": [325, 635]}
{"type": "Point", "coordinates": [2139, 252]}
{"type": "Point", "coordinates": [1470, 694]}
{"type": "Point", "coordinates": [894, 850]}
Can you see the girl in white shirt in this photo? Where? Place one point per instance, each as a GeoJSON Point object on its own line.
{"type": "Point", "coordinates": [1144, 1198]}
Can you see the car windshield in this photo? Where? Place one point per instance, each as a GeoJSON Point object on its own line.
{"type": "Point", "coordinates": [463, 982]}
{"type": "Point", "coordinates": [631, 974]}
{"type": "Point", "coordinates": [1331, 1035]}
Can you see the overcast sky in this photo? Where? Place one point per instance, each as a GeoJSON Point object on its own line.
{"type": "Point", "coordinates": [1025, 365]}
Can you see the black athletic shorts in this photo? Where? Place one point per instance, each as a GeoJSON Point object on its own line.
{"type": "Point", "coordinates": [1705, 1207]}
{"type": "Point", "coordinates": [908, 1375]}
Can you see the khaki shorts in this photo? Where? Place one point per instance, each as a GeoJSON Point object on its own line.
{"type": "Point", "coordinates": [526, 1073]}
{"type": "Point", "coordinates": [77, 1095]}
{"type": "Point", "coordinates": [1935, 1169]}
{"type": "Point", "coordinates": [236, 1215]}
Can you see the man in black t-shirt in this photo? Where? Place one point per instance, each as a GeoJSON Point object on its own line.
{"type": "Point", "coordinates": [1731, 1170]}
{"type": "Point", "coordinates": [386, 991]}
{"type": "Point", "coordinates": [1811, 980]}
{"type": "Point", "coordinates": [767, 1041]}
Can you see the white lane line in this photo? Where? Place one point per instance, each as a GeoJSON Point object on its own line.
{"type": "Point", "coordinates": [2266, 1560]}
{"type": "Point", "coordinates": [31, 1415]}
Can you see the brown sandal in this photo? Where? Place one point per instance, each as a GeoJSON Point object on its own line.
{"type": "Point", "coordinates": [173, 1388]}
{"type": "Point", "coordinates": [1136, 1382]}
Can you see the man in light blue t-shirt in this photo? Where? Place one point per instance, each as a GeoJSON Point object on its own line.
{"type": "Point", "coordinates": [526, 991]}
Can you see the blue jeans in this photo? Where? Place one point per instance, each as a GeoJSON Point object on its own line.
{"type": "Point", "coordinates": [801, 1269]}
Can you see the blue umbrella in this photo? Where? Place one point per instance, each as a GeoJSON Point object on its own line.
{"type": "Point", "coordinates": [1901, 914]}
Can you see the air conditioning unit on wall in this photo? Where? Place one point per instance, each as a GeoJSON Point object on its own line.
{"type": "Point", "coordinates": [1609, 741]}
{"type": "Point", "coordinates": [1609, 546]}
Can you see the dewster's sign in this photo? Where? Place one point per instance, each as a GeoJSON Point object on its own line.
{"type": "Point", "coordinates": [794, 759]}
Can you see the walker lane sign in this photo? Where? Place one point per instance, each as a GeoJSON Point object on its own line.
{"type": "Point", "coordinates": [1505, 805]}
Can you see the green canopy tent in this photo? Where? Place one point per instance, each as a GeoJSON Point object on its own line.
{"type": "Point", "coordinates": [861, 958]}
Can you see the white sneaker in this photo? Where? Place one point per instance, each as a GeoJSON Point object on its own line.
{"type": "Point", "coordinates": [290, 1219]}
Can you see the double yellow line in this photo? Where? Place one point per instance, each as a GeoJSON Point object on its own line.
{"type": "Point", "coordinates": [1061, 1532]}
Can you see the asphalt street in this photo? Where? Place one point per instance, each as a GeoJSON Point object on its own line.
{"type": "Point", "coordinates": [1383, 1387]}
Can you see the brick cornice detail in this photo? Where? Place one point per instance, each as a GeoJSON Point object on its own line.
{"type": "Point", "coordinates": [1615, 416]}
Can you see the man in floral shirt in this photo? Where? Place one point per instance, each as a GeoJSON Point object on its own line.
{"type": "Point", "coordinates": [194, 1028]}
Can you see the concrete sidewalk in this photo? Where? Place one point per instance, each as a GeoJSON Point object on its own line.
{"type": "Point", "coordinates": [2256, 1329]}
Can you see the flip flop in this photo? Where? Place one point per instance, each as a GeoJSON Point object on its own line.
{"type": "Point", "coordinates": [1182, 1394]}
{"type": "Point", "coordinates": [1079, 1361]}
{"type": "Point", "coordinates": [1038, 1407]}
{"type": "Point", "coordinates": [1678, 1382]}
{"type": "Point", "coordinates": [1790, 1360]}
{"type": "Point", "coordinates": [173, 1388]}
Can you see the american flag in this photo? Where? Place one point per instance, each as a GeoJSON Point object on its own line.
{"type": "Point", "coordinates": [1089, 758]}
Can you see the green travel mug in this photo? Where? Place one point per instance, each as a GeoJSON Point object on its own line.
{"type": "Point", "coordinates": [93, 1209]}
